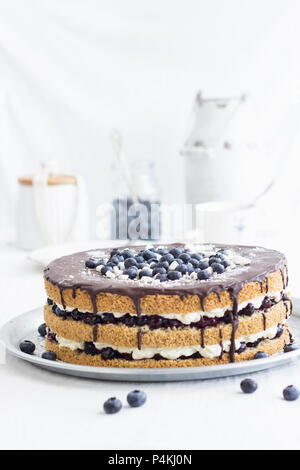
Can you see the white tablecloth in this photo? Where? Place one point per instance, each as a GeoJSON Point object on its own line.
{"type": "Point", "coordinates": [39, 409]}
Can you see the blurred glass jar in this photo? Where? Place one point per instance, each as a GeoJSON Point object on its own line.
{"type": "Point", "coordinates": [135, 203]}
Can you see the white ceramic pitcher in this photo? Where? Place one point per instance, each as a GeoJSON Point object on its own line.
{"type": "Point", "coordinates": [51, 209]}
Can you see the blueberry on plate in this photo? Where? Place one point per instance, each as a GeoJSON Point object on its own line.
{"type": "Point", "coordinates": [42, 329]}
{"type": "Point", "coordinates": [290, 347]}
{"type": "Point", "coordinates": [112, 405]}
{"type": "Point", "coordinates": [260, 355]}
{"type": "Point", "coordinates": [131, 272]}
{"type": "Point", "coordinates": [176, 252]}
{"type": "Point", "coordinates": [27, 346]}
{"type": "Point", "coordinates": [50, 355]}
{"type": "Point", "coordinates": [130, 262]}
{"type": "Point", "coordinates": [217, 268]}
{"type": "Point", "coordinates": [145, 272]}
{"type": "Point", "coordinates": [204, 274]}
{"type": "Point", "coordinates": [173, 275]}
{"type": "Point", "coordinates": [203, 265]}
{"type": "Point", "coordinates": [136, 398]}
{"type": "Point", "coordinates": [291, 393]}
{"type": "Point", "coordinates": [248, 385]}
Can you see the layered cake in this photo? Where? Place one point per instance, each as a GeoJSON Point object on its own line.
{"type": "Point", "coordinates": [167, 306]}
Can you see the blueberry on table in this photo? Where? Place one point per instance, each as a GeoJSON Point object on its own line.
{"type": "Point", "coordinates": [27, 347]}
{"type": "Point", "coordinates": [248, 385]}
{"type": "Point", "coordinates": [260, 355]}
{"type": "Point", "coordinates": [136, 398]}
{"type": "Point", "coordinates": [290, 347]}
{"type": "Point", "coordinates": [204, 274]}
{"type": "Point", "coordinates": [217, 268]}
{"type": "Point", "coordinates": [291, 393]}
{"type": "Point", "coordinates": [50, 355]}
{"type": "Point", "coordinates": [112, 405]}
{"type": "Point", "coordinates": [42, 329]}
{"type": "Point", "coordinates": [173, 275]}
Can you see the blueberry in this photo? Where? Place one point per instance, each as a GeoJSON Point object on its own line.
{"type": "Point", "coordinates": [214, 259]}
{"type": "Point", "coordinates": [42, 329]}
{"type": "Point", "coordinates": [50, 355]}
{"type": "Point", "coordinates": [141, 265]}
{"type": "Point", "coordinates": [131, 272]}
{"type": "Point", "coordinates": [127, 254]}
{"type": "Point", "coordinates": [260, 355]}
{"type": "Point", "coordinates": [27, 347]}
{"type": "Point", "coordinates": [168, 257]}
{"type": "Point", "coordinates": [162, 251]}
{"type": "Point", "coordinates": [225, 263]}
{"type": "Point", "coordinates": [198, 256]}
{"type": "Point", "coordinates": [112, 405]}
{"type": "Point", "coordinates": [194, 262]}
{"type": "Point", "coordinates": [91, 263]}
{"type": "Point", "coordinates": [147, 255]}
{"type": "Point", "coordinates": [291, 393]}
{"type": "Point", "coordinates": [179, 261]}
{"type": "Point", "coordinates": [115, 251]}
{"type": "Point", "coordinates": [203, 275]}
{"type": "Point", "coordinates": [106, 268]}
{"type": "Point", "coordinates": [139, 259]}
{"type": "Point", "coordinates": [107, 353]}
{"type": "Point", "coordinates": [114, 260]}
{"type": "Point", "coordinates": [49, 301]}
{"type": "Point", "coordinates": [161, 277]}
{"type": "Point", "coordinates": [203, 265]}
{"type": "Point", "coordinates": [145, 272]}
{"type": "Point", "coordinates": [108, 317]}
{"type": "Point", "coordinates": [185, 257]}
{"type": "Point", "coordinates": [248, 385]}
{"type": "Point", "coordinates": [158, 271]}
{"type": "Point", "coordinates": [222, 251]}
{"type": "Point", "coordinates": [173, 275]}
{"type": "Point", "coordinates": [176, 252]}
{"type": "Point", "coordinates": [163, 264]}
{"type": "Point", "coordinates": [129, 262]}
{"type": "Point", "coordinates": [218, 268]}
{"type": "Point", "coordinates": [136, 398]}
{"type": "Point", "coordinates": [189, 267]}
{"type": "Point", "coordinates": [182, 268]}
{"type": "Point", "coordinates": [290, 348]}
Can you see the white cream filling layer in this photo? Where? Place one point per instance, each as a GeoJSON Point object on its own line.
{"type": "Point", "coordinates": [209, 351]}
{"type": "Point", "coordinates": [192, 317]}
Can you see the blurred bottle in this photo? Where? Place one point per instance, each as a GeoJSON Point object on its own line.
{"type": "Point", "coordinates": [136, 216]}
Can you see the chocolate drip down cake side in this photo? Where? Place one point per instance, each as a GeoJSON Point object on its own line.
{"type": "Point", "coordinates": [167, 306]}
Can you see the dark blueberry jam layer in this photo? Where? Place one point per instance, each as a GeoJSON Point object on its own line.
{"type": "Point", "coordinates": [155, 321]}
{"type": "Point", "coordinates": [109, 353]}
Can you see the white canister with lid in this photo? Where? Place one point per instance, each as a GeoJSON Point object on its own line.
{"type": "Point", "coordinates": [51, 209]}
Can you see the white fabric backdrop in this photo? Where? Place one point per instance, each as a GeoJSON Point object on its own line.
{"type": "Point", "coordinates": [72, 70]}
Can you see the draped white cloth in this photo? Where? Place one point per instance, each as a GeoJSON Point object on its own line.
{"type": "Point", "coordinates": [72, 70]}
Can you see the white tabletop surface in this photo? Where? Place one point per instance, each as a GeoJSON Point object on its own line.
{"type": "Point", "coordinates": [43, 410]}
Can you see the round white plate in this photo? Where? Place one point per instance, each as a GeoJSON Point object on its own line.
{"type": "Point", "coordinates": [25, 327]}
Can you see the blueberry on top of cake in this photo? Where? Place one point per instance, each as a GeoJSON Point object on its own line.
{"type": "Point", "coordinates": [167, 306]}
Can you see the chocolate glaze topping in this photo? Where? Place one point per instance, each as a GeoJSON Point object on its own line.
{"type": "Point", "coordinates": [69, 272]}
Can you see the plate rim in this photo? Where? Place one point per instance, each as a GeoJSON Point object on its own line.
{"type": "Point", "coordinates": [140, 374]}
